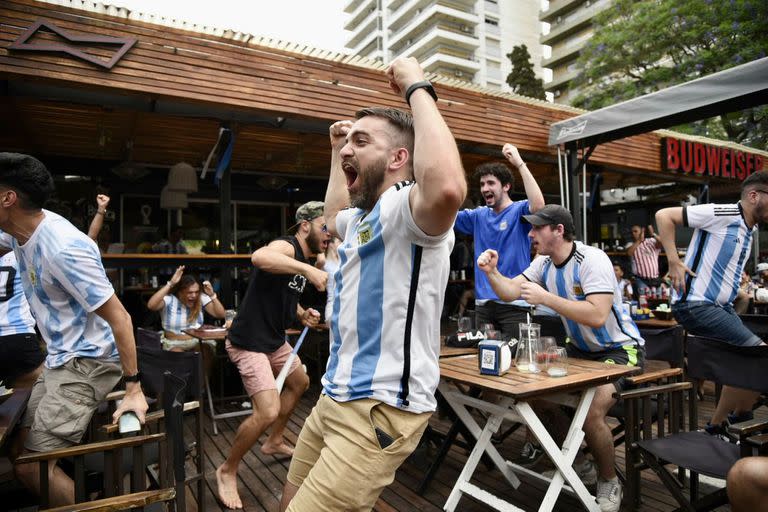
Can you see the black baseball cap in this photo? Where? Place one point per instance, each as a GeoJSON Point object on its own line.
{"type": "Point", "coordinates": [552, 214]}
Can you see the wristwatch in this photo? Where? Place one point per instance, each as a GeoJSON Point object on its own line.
{"type": "Point", "coordinates": [426, 85]}
{"type": "Point", "coordinates": [132, 378]}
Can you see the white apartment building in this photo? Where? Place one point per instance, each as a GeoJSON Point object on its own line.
{"type": "Point", "coordinates": [570, 27]}
{"type": "Point", "coordinates": [464, 39]}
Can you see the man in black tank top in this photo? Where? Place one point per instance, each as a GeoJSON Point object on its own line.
{"type": "Point", "coordinates": [256, 341]}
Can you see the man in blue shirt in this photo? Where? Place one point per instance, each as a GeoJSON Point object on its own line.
{"type": "Point", "coordinates": [499, 225]}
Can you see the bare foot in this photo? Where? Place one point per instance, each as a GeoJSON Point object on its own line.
{"type": "Point", "coordinates": [227, 489]}
{"type": "Point", "coordinates": [276, 449]}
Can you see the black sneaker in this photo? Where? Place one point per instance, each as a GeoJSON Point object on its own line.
{"type": "Point", "coordinates": [530, 455]}
{"type": "Point", "coordinates": [720, 431]}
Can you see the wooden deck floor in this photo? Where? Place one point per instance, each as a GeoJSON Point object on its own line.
{"type": "Point", "coordinates": [262, 477]}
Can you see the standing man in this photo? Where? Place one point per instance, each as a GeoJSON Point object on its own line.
{"type": "Point", "coordinates": [706, 284]}
{"type": "Point", "coordinates": [645, 258]}
{"type": "Point", "coordinates": [499, 225]}
{"type": "Point", "coordinates": [88, 333]}
{"type": "Point", "coordinates": [578, 283]}
{"type": "Point", "coordinates": [256, 341]}
{"type": "Point", "coordinates": [402, 176]}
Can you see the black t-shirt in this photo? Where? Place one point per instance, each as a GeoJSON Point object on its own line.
{"type": "Point", "coordinates": [268, 307]}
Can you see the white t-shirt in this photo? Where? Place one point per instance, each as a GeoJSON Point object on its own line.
{"type": "Point", "coordinates": [587, 271]}
{"type": "Point", "coordinates": [64, 282]}
{"type": "Point", "coordinates": [175, 315]}
{"type": "Point", "coordinates": [717, 253]}
{"type": "Point", "coordinates": [385, 331]}
{"type": "Point", "coordinates": [15, 317]}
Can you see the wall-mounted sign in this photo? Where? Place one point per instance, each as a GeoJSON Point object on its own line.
{"type": "Point", "coordinates": [72, 44]}
{"type": "Point", "coordinates": [699, 159]}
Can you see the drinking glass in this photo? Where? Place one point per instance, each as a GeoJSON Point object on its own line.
{"type": "Point", "coordinates": [545, 343]}
{"type": "Point", "coordinates": [557, 362]}
{"type": "Point", "coordinates": [229, 316]}
{"type": "Point", "coordinates": [487, 327]}
{"type": "Point", "coordinates": [492, 334]}
{"type": "Point", "coordinates": [465, 324]}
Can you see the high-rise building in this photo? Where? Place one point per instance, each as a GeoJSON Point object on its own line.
{"type": "Point", "coordinates": [464, 39]}
{"type": "Point", "coordinates": [570, 27]}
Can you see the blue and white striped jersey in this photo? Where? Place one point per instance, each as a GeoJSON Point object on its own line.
{"type": "Point", "coordinates": [175, 315]}
{"type": "Point", "coordinates": [587, 271]}
{"type": "Point", "coordinates": [717, 253]}
{"type": "Point", "coordinates": [64, 282]}
{"type": "Point", "coordinates": [15, 317]}
{"type": "Point", "coordinates": [385, 332]}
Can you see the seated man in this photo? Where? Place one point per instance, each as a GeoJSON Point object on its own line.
{"type": "Point", "coordinates": [706, 284]}
{"type": "Point", "coordinates": [578, 283]}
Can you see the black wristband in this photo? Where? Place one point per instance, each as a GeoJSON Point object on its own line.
{"type": "Point", "coordinates": [132, 378]}
{"type": "Point", "coordinates": [426, 85]}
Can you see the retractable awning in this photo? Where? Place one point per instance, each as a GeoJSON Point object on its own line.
{"type": "Point", "coordinates": [730, 90]}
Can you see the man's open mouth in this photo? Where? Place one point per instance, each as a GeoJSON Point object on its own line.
{"type": "Point", "coordinates": [350, 173]}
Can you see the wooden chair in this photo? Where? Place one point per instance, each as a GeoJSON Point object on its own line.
{"type": "Point", "coordinates": [114, 453]}
{"type": "Point", "coordinates": [697, 452]}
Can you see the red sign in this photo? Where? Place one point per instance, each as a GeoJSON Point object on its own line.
{"type": "Point", "coordinates": [699, 159]}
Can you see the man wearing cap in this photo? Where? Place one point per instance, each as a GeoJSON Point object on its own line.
{"type": "Point", "coordinates": [402, 176]}
{"type": "Point", "coordinates": [705, 285]}
{"type": "Point", "coordinates": [256, 341]}
{"type": "Point", "coordinates": [578, 283]}
{"type": "Point", "coordinates": [499, 225]}
{"type": "Point", "coordinates": [761, 274]}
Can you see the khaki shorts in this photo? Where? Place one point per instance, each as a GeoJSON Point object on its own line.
{"type": "Point", "coordinates": [339, 463]}
{"type": "Point", "coordinates": [64, 399]}
{"type": "Point", "coordinates": [257, 369]}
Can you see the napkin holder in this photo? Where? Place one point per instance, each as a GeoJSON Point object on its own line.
{"type": "Point", "coordinates": [494, 357]}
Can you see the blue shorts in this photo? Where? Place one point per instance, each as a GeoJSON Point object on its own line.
{"type": "Point", "coordinates": [713, 321]}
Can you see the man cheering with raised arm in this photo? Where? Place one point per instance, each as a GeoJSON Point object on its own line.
{"type": "Point", "coordinates": [402, 176]}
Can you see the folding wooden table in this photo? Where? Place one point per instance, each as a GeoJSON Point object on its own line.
{"type": "Point", "coordinates": [515, 390]}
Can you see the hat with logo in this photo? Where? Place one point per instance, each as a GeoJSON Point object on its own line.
{"type": "Point", "coordinates": [552, 214]}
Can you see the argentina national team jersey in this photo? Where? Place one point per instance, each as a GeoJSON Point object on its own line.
{"type": "Point", "coordinates": [385, 332]}
{"type": "Point", "coordinates": [15, 317]}
{"type": "Point", "coordinates": [175, 316]}
{"type": "Point", "coordinates": [64, 282]}
{"type": "Point", "coordinates": [587, 271]}
{"type": "Point", "coordinates": [717, 253]}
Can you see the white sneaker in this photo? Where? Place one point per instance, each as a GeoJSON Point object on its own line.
{"type": "Point", "coordinates": [609, 495]}
{"type": "Point", "coordinates": [585, 470]}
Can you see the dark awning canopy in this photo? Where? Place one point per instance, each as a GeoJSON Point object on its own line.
{"type": "Point", "coordinates": [730, 90]}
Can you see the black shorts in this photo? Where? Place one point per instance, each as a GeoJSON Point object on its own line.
{"type": "Point", "coordinates": [19, 355]}
{"type": "Point", "coordinates": [629, 355]}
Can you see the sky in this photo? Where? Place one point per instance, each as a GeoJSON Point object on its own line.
{"type": "Point", "coordinates": [319, 23]}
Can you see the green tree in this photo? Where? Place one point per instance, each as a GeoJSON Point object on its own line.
{"type": "Point", "coordinates": [644, 46]}
{"type": "Point", "coordinates": [522, 79]}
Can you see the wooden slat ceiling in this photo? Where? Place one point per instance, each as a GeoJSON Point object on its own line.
{"type": "Point", "coordinates": [193, 68]}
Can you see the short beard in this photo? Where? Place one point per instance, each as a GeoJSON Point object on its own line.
{"type": "Point", "coordinates": [372, 177]}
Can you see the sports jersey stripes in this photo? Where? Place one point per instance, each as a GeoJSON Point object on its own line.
{"type": "Point", "coordinates": [385, 333]}
{"type": "Point", "coordinates": [645, 260]}
{"type": "Point", "coordinates": [587, 271]}
{"type": "Point", "coordinates": [15, 316]}
{"type": "Point", "coordinates": [64, 282]}
{"type": "Point", "coordinates": [717, 252]}
{"type": "Point", "coordinates": [174, 316]}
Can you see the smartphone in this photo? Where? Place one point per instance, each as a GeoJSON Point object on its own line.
{"type": "Point", "coordinates": [128, 423]}
{"type": "Point", "coordinates": [384, 438]}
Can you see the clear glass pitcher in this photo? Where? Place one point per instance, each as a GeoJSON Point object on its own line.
{"type": "Point", "coordinates": [528, 348]}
